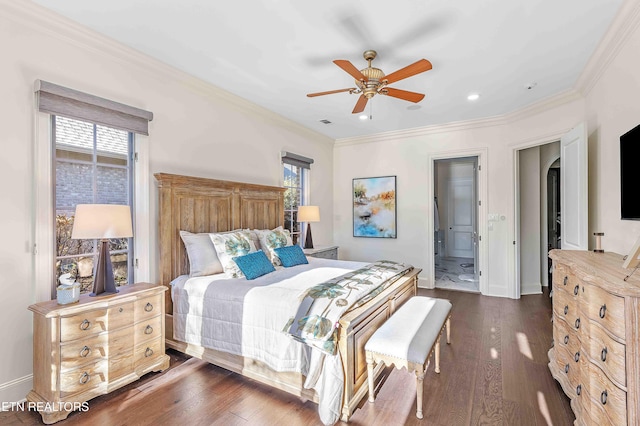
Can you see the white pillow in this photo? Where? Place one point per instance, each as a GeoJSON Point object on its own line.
{"type": "Point", "coordinates": [203, 259]}
{"type": "Point", "coordinates": [273, 239]}
{"type": "Point", "coordinates": [230, 245]}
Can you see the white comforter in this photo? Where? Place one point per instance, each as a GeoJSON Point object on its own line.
{"type": "Point", "coordinates": [247, 318]}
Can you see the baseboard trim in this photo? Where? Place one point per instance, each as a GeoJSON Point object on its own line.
{"type": "Point", "coordinates": [14, 391]}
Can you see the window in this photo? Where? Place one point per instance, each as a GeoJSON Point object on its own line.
{"type": "Point", "coordinates": [93, 165]}
{"type": "Point", "coordinates": [295, 180]}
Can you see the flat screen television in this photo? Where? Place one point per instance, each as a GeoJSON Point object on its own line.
{"type": "Point", "coordinates": [630, 174]}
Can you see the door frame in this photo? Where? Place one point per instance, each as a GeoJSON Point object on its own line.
{"type": "Point", "coordinates": [482, 188]}
{"type": "Point", "coordinates": [514, 258]}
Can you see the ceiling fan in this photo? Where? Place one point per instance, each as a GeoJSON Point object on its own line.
{"type": "Point", "coordinates": [371, 81]}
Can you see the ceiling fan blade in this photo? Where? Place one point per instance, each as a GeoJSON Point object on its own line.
{"type": "Point", "coordinates": [351, 69]}
{"type": "Point", "coordinates": [360, 105]}
{"type": "Point", "coordinates": [311, 95]}
{"type": "Point", "coordinates": [416, 68]}
{"type": "Point", "coordinates": [403, 94]}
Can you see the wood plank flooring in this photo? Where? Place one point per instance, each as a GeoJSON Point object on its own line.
{"type": "Point", "coordinates": [494, 373]}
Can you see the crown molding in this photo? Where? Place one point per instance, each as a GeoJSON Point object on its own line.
{"type": "Point", "coordinates": [52, 24]}
{"type": "Point", "coordinates": [498, 120]}
{"type": "Point", "coordinates": [624, 24]}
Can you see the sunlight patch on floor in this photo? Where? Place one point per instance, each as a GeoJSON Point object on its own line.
{"type": "Point", "coordinates": [494, 353]}
{"type": "Point", "coordinates": [544, 409]}
{"type": "Point", "coordinates": [523, 345]}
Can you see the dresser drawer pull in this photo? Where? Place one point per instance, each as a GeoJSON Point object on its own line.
{"type": "Point", "coordinates": [84, 378]}
{"type": "Point", "coordinates": [566, 279]}
{"type": "Point", "coordinates": [148, 330]}
{"type": "Point", "coordinates": [577, 322]}
{"type": "Point", "coordinates": [575, 290]}
{"type": "Point", "coordinates": [566, 339]}
{"type": "Point", "coordinates": [603, 397]}
{"type": "Point", "coordinates": [566, 369]}
{"type": "Point", "coordinates": [85, 325]}
{"type": "Point", "coordinates": [148, 352]}
{"type": "Point", "coordinates": [578, 389]}
{"type": "Point", "coordinates": [121, 309]}
{"type": "Point", "coordinates": [148, 307]}
{"type": "Point", "coordinates": [84, 352]}
{"type": "Point", "coordinates": [603, 310]}
{"type": "Point", "coordinates": [576, 357]}
{"type": "Point", "coordinates": [566, 309]}
{"type": "Point", "coordinates": [603, 354]}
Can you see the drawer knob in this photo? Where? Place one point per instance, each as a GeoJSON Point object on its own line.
{"type": "Point", "coordinates": [148, 307]}
{"type": "Point", "coordinates": [576, 357]}
{"type": "Point", "coordinates": [566, 309]}
{"type": "Point", "coordinates": [566, 339]}
{"type": "Point", "coordinates": [148, 330]}
{"type": "Point", "coordinates": [148, 352]}
{"type": "Point", "coordinates": [120, 310]}
{"type": "Point", "coordinates": [603, 311]}
{"type": "Point", "coordinates": [85, 325]}
{"type": "Point", "coordinates": [578, 389]}
{"type": "Point", "coordinates": [84, 378]}
{"type": "Point", "coordinates": [577, 322]}
{"type": "Point", "coordinates": [84, 352]}
{"type": "Point", "coordinates": [566, 279]}
{"type": "Point", "coordinates": [575, 290]}
{"type": "Point", "coordinates": [603, 354]}
{"type": "Point", "coordinates": [603, 397]}
{"type": "Point", "coordinates": [566, 369]}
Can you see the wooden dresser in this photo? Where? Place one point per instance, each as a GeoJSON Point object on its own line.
{"type": "Point", "coordinates": [596, 336]}
{"type": "Point", "coordinates": [94, 346]}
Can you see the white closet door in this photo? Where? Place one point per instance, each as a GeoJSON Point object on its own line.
{"type": "Point", "coordinates": [573, 189]}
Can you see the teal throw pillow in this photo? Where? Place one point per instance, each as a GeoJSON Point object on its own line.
{"type": "Point", "coordinates": [254, 265]}
{"type": "Point", "coordinates": [291, 256]}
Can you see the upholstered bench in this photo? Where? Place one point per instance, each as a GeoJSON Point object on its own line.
{"type": "Point", "coordinates": [408, 339]}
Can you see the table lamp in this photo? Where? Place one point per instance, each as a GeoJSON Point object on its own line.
{"type": "Point", "coordinates": [102, 221]}
{"type": "Point", "coordinates": [308, 214]}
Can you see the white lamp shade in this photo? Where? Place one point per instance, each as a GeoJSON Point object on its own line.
{"type": "Point", "coordinates": [102, 221]}
{"type": "Point", "coordinates": [308, 214]}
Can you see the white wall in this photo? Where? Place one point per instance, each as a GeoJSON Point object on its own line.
{"type": "Point", "coordinates": [197, 130]}
{"type": "Point", "coordinates": [529, 181]}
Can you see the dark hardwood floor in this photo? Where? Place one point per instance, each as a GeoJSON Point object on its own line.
{"type": "Point", "coordinates": [493, 373]}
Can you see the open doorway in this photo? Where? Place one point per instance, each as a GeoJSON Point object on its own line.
{"type": "Point", "coordinates": [456, 223]}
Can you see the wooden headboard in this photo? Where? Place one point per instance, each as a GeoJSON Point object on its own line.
{"type": "Point", "coordinates": [208, 205]}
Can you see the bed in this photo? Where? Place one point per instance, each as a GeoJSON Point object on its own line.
{"type": "Point", "coordinates": [202, 205]}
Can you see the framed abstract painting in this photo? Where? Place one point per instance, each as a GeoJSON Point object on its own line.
{"type": "Point", "coordinates": [374, 207]}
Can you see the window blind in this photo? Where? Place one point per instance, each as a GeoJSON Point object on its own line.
{"type": "Point", "coordinates": [60, 100]}
{"type": "Point", "coordinates": [296, 160]}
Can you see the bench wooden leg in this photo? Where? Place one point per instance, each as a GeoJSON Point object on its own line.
{"type": "Point", "coordinates": [370, 378]}
{"type": "Point", "coordinates": [448, 330]}
{"type": "Point", "coordinates": [438, 355]}
{"type": "Point", "coordinates": [419, 390]}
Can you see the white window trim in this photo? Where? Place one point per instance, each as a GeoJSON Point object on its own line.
{"type": "Point", "coordinates": [42, 205]}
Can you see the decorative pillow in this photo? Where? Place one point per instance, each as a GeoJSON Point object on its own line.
{"type": "Point", "coordinates": [203, 259]}
{"type": "Point", "coordinates": [254, 265]}
{"type": "Point", "coordinates": [291, 256]}
{"type": "Point", "coordinates": [270, 240]}
{"type": "Point", "coordinates": [232, 245]}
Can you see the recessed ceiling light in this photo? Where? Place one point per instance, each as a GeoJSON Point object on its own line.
{"type": "Point", "coordinates": [531, 85]}
{"type": "Point", "coordinates": [325, 121]}
{"type": "Point", "coordinates": [363, 117]}
{"type": "Point", "coordinates": [473, 97]}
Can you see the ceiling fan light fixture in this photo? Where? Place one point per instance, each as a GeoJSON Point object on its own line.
{"type": "Point", "coordinates": [473, 97]}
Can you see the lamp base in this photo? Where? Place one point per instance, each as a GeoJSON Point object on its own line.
{"type": "Point", "coordinates": [308, 241]}
{"type": "Point", "coordinates": [103, 280]}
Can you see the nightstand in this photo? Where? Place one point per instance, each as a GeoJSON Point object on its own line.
{"type": "Point", "coordinates": [95, 346]}
{"type": "Point", "coordinates": [330, 252]}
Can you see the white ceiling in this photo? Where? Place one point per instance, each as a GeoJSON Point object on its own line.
{"type": "Point", "coordinates": [275, 52]}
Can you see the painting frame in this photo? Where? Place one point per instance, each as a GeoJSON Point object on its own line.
{"type": "Point", "coordinates": [375, 207]}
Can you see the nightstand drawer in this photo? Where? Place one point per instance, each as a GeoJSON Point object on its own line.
{"type": "Point", "coordinates": [323, 252]}
{"type": "Point", "coordinates": [93, 322]}
{"type": "Point", "coordinates": [148, 307]}
{"type": "Point", "coordinates": [147, 352]}
{"type": "Point", "coordinates": [83, 379]}
{"type": "Point", "coordinates": [146, 330]}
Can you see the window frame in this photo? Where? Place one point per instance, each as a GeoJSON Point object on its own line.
{"type": "Point", "coordinates": [303, 200]}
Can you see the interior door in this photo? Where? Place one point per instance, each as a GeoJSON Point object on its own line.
{"type": "Point", "coordinates": [573, 189]}
{"type": "Point", "coordinates": [460, 239]}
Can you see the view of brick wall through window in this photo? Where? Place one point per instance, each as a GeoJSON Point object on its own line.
{"type": "Point", "coordinates": [92, 164]}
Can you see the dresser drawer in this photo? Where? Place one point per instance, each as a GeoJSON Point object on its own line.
{"type": "Point", "coordinates": [566, 308]}
{"type": "Point", "coordinates": [565, 337]}
{"type": "Point", "coordinates": [148, 329]}
{"type": "Point", "coordinates": [78, 352]}
{"type": "Point", "coordinates": [90, 323]}
{"type": "Point", "coordinates": [563, 278]}
{"type": "Point", "coordinates": [148, 307]}
{"type": "Point", "coordinates": [568, 367]}
{"type": "Point", "coordinates": [604, 308]}
{"type": "Point", "coordinates": [605, 352]}
{"type": "Point", "coordinates": [147, 352]}
{"type": "Point", "coordinates": [83, 379]}
{"type": "Point", "coordinates": [607, 402]}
